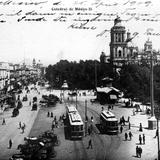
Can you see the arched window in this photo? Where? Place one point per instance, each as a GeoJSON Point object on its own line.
{"type": "Point", "coordinates": [120, 53]}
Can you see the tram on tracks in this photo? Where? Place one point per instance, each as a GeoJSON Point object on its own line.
{"type": "Point", "coordinates": [75, 123]}
{"type": "Point", "coordinates": [109, 122]}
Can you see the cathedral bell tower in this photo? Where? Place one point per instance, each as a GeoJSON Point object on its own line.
{"type": "Point", "coordinates": [118, 44]}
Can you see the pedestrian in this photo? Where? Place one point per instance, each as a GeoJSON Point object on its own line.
{"type": "Point", "coordinates": [55, 119]}
{"type": "Point", "coordinates": [140, 127]}
{"type": "Point", "coordinates": [112, 107]}
{"type": "Point", "coordinates": [140, 139]}
{"type": "Point", "coordinates": [23, 127]}
{"type": "Point", "coordinates": [120, 121]}
{"type": "Point", "coordinates": [10, 143]}
{"type": "Point", "coordinates": [48, 114]}
{"type": "Point", "coordinates": [52, 126]}
{"type": "Point", "coordinates": [89, 130]}
{"type": "Point", "coordinates": [133, 112]}
{"type": "Point", "coordinates": [144, 139]}
{"type": "Point", "coordinates": [130, 135]}
{"type": "Point", "coordinates": [20, 125]}
{"type": "Point", "coordinates": [3, 122]}
{"type": "Point", "coordinates": [137, 151]}
{"type": "Point", "coordinates": [140, 152]}
{"type": "Point", "coordinates": [90, 144]}
{"type": "Point", "coordinates": [51, 114]}
{"type": "Point", "coordinates": [156, 133]}
{"type": "Point", "coordinates": [129, 125]}
{"type": "Point", "coordinates": [56, 124]}
{"type": "Point", "coordinates": [123, 120]}
{"type": "Point", "coordinates": [126, 136]}
{"type": "Point", "coordinates": [121, 128]}
{"type": "Point", "coordinates": [30, 103]}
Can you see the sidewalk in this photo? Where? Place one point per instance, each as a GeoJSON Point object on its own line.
{"type": "Point", "coordinates": [11, 129]}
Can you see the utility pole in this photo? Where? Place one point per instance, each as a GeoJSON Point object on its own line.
{"type": "Point", "coordinates": [157, 115]}
{"type": "Point", "coordinates": [151, 84]}
{"type": "Point", "coordinates": [158, 138]}
{"type": "Point", "coordinates": [76, 98]}
{"type": "Point", "coordinates": [86, 118]}
{"type": "Point", "coordinates": [95, 74]}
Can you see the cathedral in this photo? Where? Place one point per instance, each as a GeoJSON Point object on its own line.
{"type": "Point", "coordinates": [122, 49]}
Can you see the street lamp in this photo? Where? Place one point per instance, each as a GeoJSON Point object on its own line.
{"type": "Point", "coordinates": [76, 97]}
{"type": "Point", "coordinates": [152, 120]}
{"type": "Point", "coordinates": [157, 115]}
{"type": "Point", "coordinates": [86, 118]}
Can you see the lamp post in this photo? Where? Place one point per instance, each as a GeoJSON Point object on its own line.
{"type": "Point", "coordinates": [151, 84]}
{"type": "Point", "coordinates": [95, 74]}
{"type": "Point", "coordinates": [76, 97]}
{"type": "Point", "coordinates": [152, 120]}
{"type": "Point", "coordinates": [157, 115]}
{"type": "Point", "coordinates": [86, 118]}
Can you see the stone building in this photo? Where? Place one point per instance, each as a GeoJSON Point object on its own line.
{"type": "Point", "coordinates": [122, 49]}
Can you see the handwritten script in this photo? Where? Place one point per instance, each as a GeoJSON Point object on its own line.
{"type": "Point", "coordinates": [83, 15]}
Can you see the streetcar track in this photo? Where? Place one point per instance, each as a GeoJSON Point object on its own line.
{"type": "Point", "coordinates": [76, 151]}
{"type": "Point", "coordinates": [115, 141]}
{"type": "Point", "coordinates": [101, 139]}
{"type": "Point", "coordinates": [84, 151]}
{"type": "Point", "coordinates": [82, 146]}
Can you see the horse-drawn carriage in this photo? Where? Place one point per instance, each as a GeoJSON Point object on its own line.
{"type": "Point", "coordinates": [39, 148]}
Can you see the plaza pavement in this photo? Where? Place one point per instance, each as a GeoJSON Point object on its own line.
{"type": "Point", "coordinates": [125, 150]}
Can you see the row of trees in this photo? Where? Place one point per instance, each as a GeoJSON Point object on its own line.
{"type": "Point", "coordinates": [133, 80]}
{"type": "Point", "coordinates": [79, 75]}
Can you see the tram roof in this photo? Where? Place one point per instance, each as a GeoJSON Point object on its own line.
{"type": "Point", "coordinates": [107, 114]}
{"type": "Point", "coordinates": [75, 118]}
{"type": "Point", "coordinates": [71, 109]}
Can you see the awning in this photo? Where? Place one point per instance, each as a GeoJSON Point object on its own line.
{"type": "Point", "coordinates": [113, 97]}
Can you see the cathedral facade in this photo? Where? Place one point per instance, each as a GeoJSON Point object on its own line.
{"type": "Point", "coordinates": [122, 49]}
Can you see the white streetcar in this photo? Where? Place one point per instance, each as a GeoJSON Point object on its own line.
{"type": "Point", "coordinates": [75, 123]}
{"type": "Point", "coordinates": [109, 122]}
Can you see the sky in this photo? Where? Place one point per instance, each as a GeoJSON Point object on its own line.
{"type": "Point", "coordinates": [52, 40]}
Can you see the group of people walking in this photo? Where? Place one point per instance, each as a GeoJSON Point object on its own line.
{"type": "Point", "coordinates": [130, 135]}
{"type": "Point", "coordinates": [50, 114]}
{"type": "Point", "coordinates": [142, 139]}
{"type": "Point", "coordinates": [138, 151]}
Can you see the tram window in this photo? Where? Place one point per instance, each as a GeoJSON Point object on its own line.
{"type": "Point", "coordinates": [73, 128]}
{"type": "Point", "coordinates": [76, 128]}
